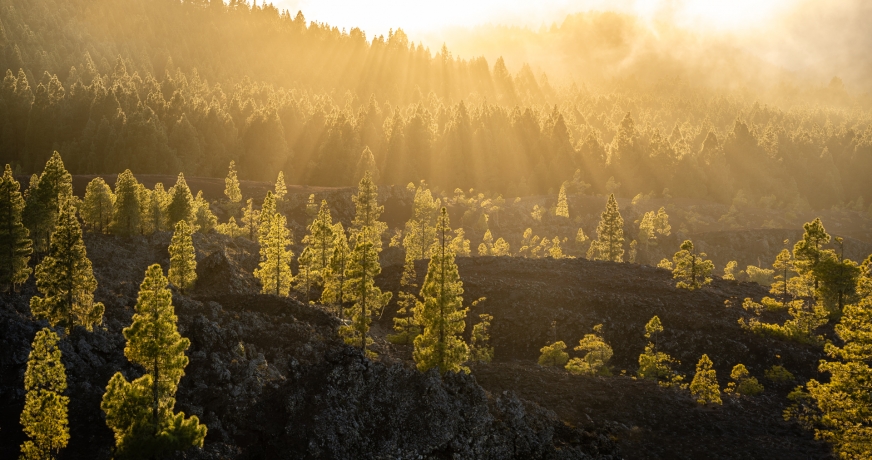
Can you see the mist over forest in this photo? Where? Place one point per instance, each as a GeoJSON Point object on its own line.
{"type": "Point", "coordinates": [236, 231]}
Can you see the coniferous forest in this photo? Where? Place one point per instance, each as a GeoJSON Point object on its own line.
{"type": "Point", "coordinates": [228, 230]}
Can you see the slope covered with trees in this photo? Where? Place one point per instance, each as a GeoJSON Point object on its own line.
{"type": "Point", "coordinates": [273, 92]}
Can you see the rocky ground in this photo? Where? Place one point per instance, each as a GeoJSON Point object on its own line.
{"type": "Point", "coordinates": [270, 379]}
{"type": "Point", "coordinates": [526, 295]}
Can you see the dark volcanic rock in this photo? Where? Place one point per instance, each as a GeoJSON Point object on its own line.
{"type": "Point", "coordinates": [270, 378]}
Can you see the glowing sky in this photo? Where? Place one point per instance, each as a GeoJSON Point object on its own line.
{"type": "Point", "coordinates": [420, 18]}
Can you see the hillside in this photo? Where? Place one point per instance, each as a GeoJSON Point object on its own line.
{"type": "Point", "coordinates": [266, 360]}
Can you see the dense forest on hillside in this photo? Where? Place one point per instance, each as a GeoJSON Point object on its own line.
{"type": "Point", "coordinates": [162, 86]}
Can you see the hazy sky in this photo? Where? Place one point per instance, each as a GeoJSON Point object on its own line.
{"type": "Point", "coordinates": [424, 19]}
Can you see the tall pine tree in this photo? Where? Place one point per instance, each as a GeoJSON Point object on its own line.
{"type": "Point", "coordinates": [274, 271]}
{"type": "Point", "coordinates": [250, 220]}
{"type": "Point", "coordinates": [97, 207]}
{"type": "Point", "coordinates": [366, 227]}
{"type": "Point", "coordinates": [43, 199]}
{"type": "Point", "coordinates": [15, 244]}
{"type": "Point", "coordinates": [65, 279]}
{"type": "Point", "coordinates": [231, 185]}
{"type": "Point", "coordinates": [562, 209]}
{"type": "Point", "coordinates": [335, 281]}
{"type": "Point", "coordinates": [691, 270]}
{"type": "Point", "coordinates": [183, 263]}
{"type": "Point", "coordinates": [441, 313]}
{"type": "Point", "coordinates": [45, 407]}
{"type": "Point", "coordinates": [140, 413]}
{"type": "Point", "coordinates": [280, 188]}
{"type": "Point", "coordinates": [610, 233]}
{"type": "Point", "coordinates": [267, 214]}
{"type": "Point", "coordinates": [181, 205]}
{"type": "Point", "coordinates": [421, 228]}
{"type": "Point", "coordinates": [126, 215]}
{"type": "Point", "coordinates": [363, 266]}
{"type": "Point", "coordinates": [320, 241]}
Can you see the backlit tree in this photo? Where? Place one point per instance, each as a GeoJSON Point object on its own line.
{"type": "Point", "coordinates": [45, 407]}
{"type": "Point", "coordinates": [562, 207]}
{"type": "Point", "coordinates": [65, 279]}
{"type": "Point", "coordinates": [97, 207]}
{"type": "Point", "coordinates": [440, 312]}
{"type": "Point", "coordinates": [231, 185]}
{"type": "Point", "coordinates": [274, 271]}
{"type": "Point", "coordinates": [181, 202]}
{"type": "Point", "coordinates": [15, 244]}
{"type": "Point", "coordinates": [319, 241]}
{"type": "Point", "coordinates": [596, 357]}
{"type": "Point", "coordinates": [183, 263]}
{"type": "Point", "coordinates": [140, 412]}
{"type": "Point", "coordinates": [335, 281]}
{"type": "Point", "coordinates": [691, 269]}
{"type": "Point", "coordinates": [421, 228]}
{"type": "Point", "coordinates": [705, 383]}
{"type": "Point", "coordinates": [126, 212]}
{"type": "Point", "coordinates": [43, 198]}
{"type": "Point", "coordinates": [610, 233]}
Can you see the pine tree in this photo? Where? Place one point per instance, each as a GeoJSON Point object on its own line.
{"type": "Point", "coordinates": [580, 239]}
{"type": "Point", "coordinates": [597, 355]}
{"type": "Point", "coordinates": [486, 247]}
{"type": "Point", "coordinates": [654, 364]}
{"type": "Point", "coordinates": [183, 263]}
{"type": "Point", "coordinates": [729, 270]}
{"type": "Point", "coordinates": [97, 208]}
{"type": "Point", "coordinates": [838, 279]}
{"type": "Point", "coordinates": [146, 225]}
{"type": "Point", "coordinates": [441, 313]}
{"type": "Point", "coordinates": [65, 279]}
{"type": "Point", "coordinates": [743, 383]}
{"type": "Point", "coordinates": [267, 214]}
{"type": "Point", "coordinates": [204, 220]}
{"type": "Point", "coordinates": [562, 207]}
{"type": "Point", "coordinates": [45, 408]}
{"type": "Point", "coordinates": [274, 271]}
{"type": "Point", "coordinates": [15, 244]}
{"type": "Point", "coordinates": [404, 323]}
{"type": "Point", "coordinates": [421, 228]}
{"type": "Point", "coordinates": [661, 223]}
{"type": "Point", "coordinates": [691, 269]}
{"type": "Point", "coordinates": [647, 235]}
{"type": "Point", "coordinates": [157, 207]}
{"type": "Point", "coordinates": [460, 245]}
{"type": "Point", "coordinates": [334, 278]}
{"type": "Point", "coordinates": [140, 413]}
{"type": "Point", "coordinates": [319, 241]}
{"type": "Point", "coordinates": [43, 199]}
{"type": "Point", "coordinates": [231, 185]}
{"type": "Point", "coordinates": [126, 216]}
{"type": "Point", "coordinates": [839, 409]}
{"type": "Point", "coordinates": [181, 205]}
{"type": "Point", "coordinates": [610, 233]}
{"type": "Point", "coordinates": [782, 267]}
{"type": "Point", "coordinates": [480, 348]}
{"type": "Point", "coordinates": [365, 298]}
{"type": "Point", "coordinates": [250, 220]}
{"type": "Point", "coordinates": [280, 188]}
{"type": "Point", "coordinates": [553, 355]}
{"type": "Point", "coordinates": [807, 252]}
{"type": "Point", "coordinates": [366, 165]}
{"type": "Point", "coordinates": [555, 251]}
{"type": "Point", "coordinates": [367, 214]}
{"type": "Point", "coordinates": [705, 383]}
{"type": "Point", "coordinates": [306, 274]}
